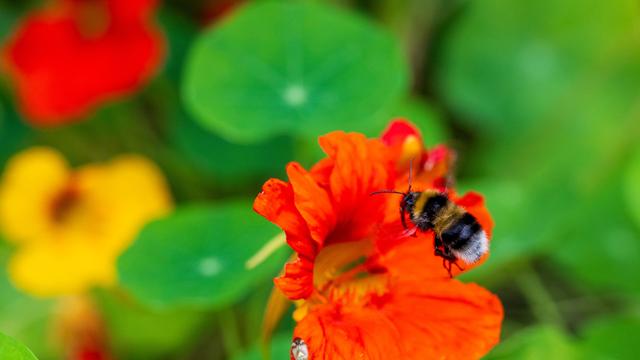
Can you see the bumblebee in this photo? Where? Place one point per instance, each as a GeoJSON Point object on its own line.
{"type": "Point", "coordinates": [299, 349]}
{"type": "Point", "coordinates": [458, 235]}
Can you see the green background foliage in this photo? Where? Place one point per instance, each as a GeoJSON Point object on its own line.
{"type": "Point", "coordinates": [203, 270]}
{"type": "Point", "coordinates": [274, 68]}
{"type": "Point", "coordinates": [13, 350]}
{"type": "Point", "coordinates": [540, 99]}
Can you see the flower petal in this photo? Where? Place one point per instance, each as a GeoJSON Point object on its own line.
{"type": "Point", "coordinates": [444, 320]}
{"type": "Point", "coordinates": [121, 197]}
{"type": "Point", "coordinates": [53, 268]}
{"type": "Point", "coordinates": [297, 280]}
{"type": "Point", "coordinates": [410, 257]}
{"type": "Point", "coordinates": [361, 166]}
{"type": "Point", "coordinates": [398, 131]}
{"type": "Point", "coordinates": [312, 202]}
{"type": "Point", "coordinates": [61, 73]}
{"type": "Point", "coordinates": [276, 204]}
{"type": "Point", "coordinates": [26, 200]}
{"type": "Point", "coordinates": [337, 333]}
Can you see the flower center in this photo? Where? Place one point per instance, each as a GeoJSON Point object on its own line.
{"type": "Point", "coordinates": [342, 274]}
{"type": "Point", "coordinates": [65, 204]}
{"type": "Point", "coordinates": [92, 17]}
{"type": "Point", "coordinates": [343, 269]}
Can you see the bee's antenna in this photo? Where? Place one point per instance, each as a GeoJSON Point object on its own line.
{"type": "Point", "coordinates": [386, 192]}
{"type": "Point", "coordinates": [410, 174]}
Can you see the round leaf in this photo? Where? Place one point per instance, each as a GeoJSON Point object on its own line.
{"type": "Point", "coordinates": [197, 257]}
{"type": "Point", "coordinates": [11, 349]}
{"type": "Point", "coordinates": [229, 163]}
{"type": "Point", "coordinates": [279, 67]}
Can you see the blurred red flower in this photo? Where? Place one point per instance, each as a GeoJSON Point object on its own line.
{"type": "Point", "coordinates": [71, 56]}
{"type": "Point", "coordinates": [364, 288]}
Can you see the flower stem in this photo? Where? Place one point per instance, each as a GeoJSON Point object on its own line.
{"type": "Point", "coordinates": [540, 300]}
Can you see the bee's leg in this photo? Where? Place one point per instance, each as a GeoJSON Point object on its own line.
{"type": "Point", "coordinates": [437, 241]}
{"type": "Point", "coordinates": [449, 258]}
{"type": "Point", "coordinates": [437, 245]}
{"type": "Point", "coordinates": [446, 263]}
{"type": "Point", "coordinates": [402, 217]}
{"type": "Point", "coordinates": [458, 265]}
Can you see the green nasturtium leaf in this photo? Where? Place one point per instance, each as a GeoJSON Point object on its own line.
{"type": "Point", "coordinates": [612, 338]}
{"type": "Point", "coordinates": [11, 349]}
{"type": "Point", "coordinates": [292, 67]}
{"type": "Point", "coordinates": [540, 342]}
{"type": "Point", "coordinates": [280, 349]}
{"type": "Point", "coordinates": [632, 187]}
{"type": "Point", "coordinates": [197, 257]}
{"type": "Point", "coordinates": [229, 163]}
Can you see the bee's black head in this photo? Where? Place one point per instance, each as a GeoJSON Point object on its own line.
{"type": "Point", "coordinates": [409, 201]}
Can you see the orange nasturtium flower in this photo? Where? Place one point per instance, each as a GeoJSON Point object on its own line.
{"type": "Point", "coordinates": [364, 288]}
{"type": "Point", "coordinates": [68, 225]}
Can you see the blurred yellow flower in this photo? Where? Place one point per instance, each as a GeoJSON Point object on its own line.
{"type": "Point", "coordinates": [70, 225]}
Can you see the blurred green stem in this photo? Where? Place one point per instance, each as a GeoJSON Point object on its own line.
{"type": "Point", "coordinates": [540, 300]}
{"type": "Point", "coordinates": [230, 332]}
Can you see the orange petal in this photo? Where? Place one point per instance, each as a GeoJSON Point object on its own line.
{"type": "Point", "coordinates": [321, 172]}
{"type": "Point", "coordinates": [445, 319]}
{"type": "Point", "coordinates": [338, 333]}
{"type": "Point", "coordinates": [297, 280]}
{"type": "Point", "coordinates": [442, 319]}
{"type": "Point", "coordinates": [276, 204]}
{"type": "Point", "coordinates": [361, 166]}
{"type": "Point", "coordinates": [312, 202]}
{"type": "Point", "coordinates": [409, 257]}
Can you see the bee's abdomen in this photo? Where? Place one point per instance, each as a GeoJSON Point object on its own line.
{"type": "Point", "coordinates": [460, 232]}
{"type": "Point", "coordinates": [466, 238]}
